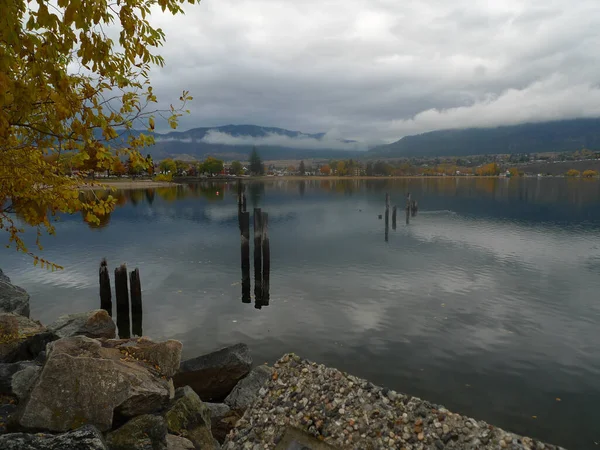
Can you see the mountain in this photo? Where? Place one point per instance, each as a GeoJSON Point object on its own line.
{"type": "Point", "coordinates": [556, 136]}
{"type": "Point", "coordinates": [236, 141]}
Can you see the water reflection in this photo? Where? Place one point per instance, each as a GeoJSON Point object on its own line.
{"type": "Point", "coordinates": [493, 285]}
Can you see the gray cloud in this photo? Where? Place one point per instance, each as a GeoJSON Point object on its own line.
{"type": "Point", "coordinates": [330, 141]}
{"type": "Point", "coordinates": [380, 69]}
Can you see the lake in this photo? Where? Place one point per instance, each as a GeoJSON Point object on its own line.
{"type": "Point", "coordinates": [487, 302]}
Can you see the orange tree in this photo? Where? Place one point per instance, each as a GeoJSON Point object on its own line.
{"type": "Point", "coordinates": [67, 89]}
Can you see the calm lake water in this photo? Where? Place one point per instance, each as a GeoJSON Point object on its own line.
{"type": "Point", "coordinates": [487, 302]}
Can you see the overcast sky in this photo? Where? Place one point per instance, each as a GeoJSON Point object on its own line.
{"type": "Point", "coordinates": [381, 69]}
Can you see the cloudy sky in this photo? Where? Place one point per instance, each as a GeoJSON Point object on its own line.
{"type": "Point", "coordinates": [377, 70]}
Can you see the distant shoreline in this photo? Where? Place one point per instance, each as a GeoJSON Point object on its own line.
{"type": "Point", "coordinates": [102, 185]}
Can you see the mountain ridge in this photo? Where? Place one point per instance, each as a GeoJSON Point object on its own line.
{"type": "Point", "coordinates": [537, 137]}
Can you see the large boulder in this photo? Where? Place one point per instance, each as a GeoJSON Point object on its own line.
{"type": "Point", "coordinates": [88, 381]}
{"type": "Point", "coordinates": [94, 324]}
{"type": "Point", "coordinates": [189, 417]}
{"type": "Point", "coordinates": [214, 375]}
{"type": "Point", "coordinates": [145, 432]}
{"type": "Point", "coordinates": [222, 420]}
{"type": "Point", "coordinates": [21, 339]}
{"type": "Point", "coordinates": [246, 391]}
{"type": "Point", "coordinates": [178, 443]}
{"type": "Point", "coordinates": [84, 438]}
{"type": "Point", "coordinates": [13, 299]}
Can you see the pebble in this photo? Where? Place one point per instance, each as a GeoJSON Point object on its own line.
{"type": "Point", "coordinates": [350, 413]}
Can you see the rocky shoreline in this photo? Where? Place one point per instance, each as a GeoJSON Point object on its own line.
{"type": "Point", "coordinates": [74, 385]}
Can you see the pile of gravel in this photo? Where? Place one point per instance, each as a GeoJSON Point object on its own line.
{"type": "Point", "coordinates": [348, 412]}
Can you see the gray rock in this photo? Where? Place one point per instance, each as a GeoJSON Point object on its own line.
{"type": "Point", "coordinates": [87, 381]}
{"type": "Point", "coordinates": [7, 371]}
{"type": "Point", "coordinates": [222, 420]}
{"type": "Point", "coordinates": [21, 339]}
{"type": "Point", "coordinates": [246, 391]}
{"type": "Point", "coordinates": [13, 299]}
{"type": "Point", "coordinates": [94, 324]}
{"type": "Point", "coordinates": [214, 375]}
{"type": "Point", "coordinates": [23, 381]}
{"type": "Point", "coordinates": [84, 438]}
{"type": "Point", "coordinates": [145, 432]}
{"type": "Point", "coordinates": [189, 417]}
{"type": "Point", "coordinates": [178, 443]}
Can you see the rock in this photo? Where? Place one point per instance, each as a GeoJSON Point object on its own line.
{"type": "Point", "coordinates": [94, 324]}
{"type": "Point", "coordinates": [23, 381]}
{"type": "Point", "coordinates": [84, 438]}
{"type": "Point", "coordinates": [6, 412]}
{"type": "Point", "coordinates": [213, 376]}
{"type": "Point", "coordinates": [145, 432]}
{"type": "Point", "coordinates": [189, 417]}
{"type": "Point", "coordinates": [222, 420]}
{"type": "Point", "coordinates": [13, 299]}
{"type": "Point", "coordinates": [21, 339]}
{"type": "Point", "coordinates": [88, 381]}
{"type": "Point", "coordinates": [7, 371]}
{"type": "Point", "coordinates": [246, 391]}
{"type": "Point", "coordinates": [178, 443]}
{"type": "Point", "coordinates": [163, 356]}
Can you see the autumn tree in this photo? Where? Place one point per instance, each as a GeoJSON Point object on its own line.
{"type": "Point", "coordinates": [491, 169]}
{"type": "Point", "coordinates": [590, 174]}
{"type": "Point", "coordinates": [119, 168]}
{"type": "Point", "coordinates": [67, 88]}
{"type": "Point", "coordinates": [149, 165]}
{"type": "Point", "coordinates": [256, 164]}
{"type": "Point", "coordinates": [212, 165]}
{"type": "Point", "coordinates": [573, 173]}
{"type": "Point", "coordinates": [236, 168]}
{"type": "Point", "coordinates": [325, 170]}
{"type": "Point", "coordinates": [167, 165]}
{"type": "Point", "coordinates": [341, 168]}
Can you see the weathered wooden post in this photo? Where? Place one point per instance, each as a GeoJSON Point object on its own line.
{"type": "Point", "coordinates": [394, 210]}
{"type": "Point", "coordinates": [257, 258]}
{"type": "Point", "coordinates": [244, 202]}
{"type": "Point", "coordinates": [387, 201]}
{"type": "Point", "coordinates": [387, 223]}
{"type": "Point", "coordinates": [414, 208]}
{"type": "Point", "coordinates": [122, 296]}
{"type": "Point", "coordinates": [105, 295]}
{"type": "Point", "coordinates": [135, 287]}
{"type": "Point", "coordinates": [266, 264]}
{"type": "Point", "coordinates": [245, 243]}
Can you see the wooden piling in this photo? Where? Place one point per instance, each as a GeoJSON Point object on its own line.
{"type": "Point", "coordinates": [394, 211]}
{"type": "Point", "coordinates": [105, 295]}
{"type": "Point", "coordinates": [245, 245]}
{"type": "Point", "coordinates": [257, 258]}
{"type": "Point", "coordinates": [387, 223]}
{"type": "Point", "coordinates": [266, 260]}
{"type": "Point", "coordinates": [122, 297]}
{"type": "Point", "coordinates": [387, 201]}
{"type": "Point", "coordinates": [135, 287]}
{"type": "Point", "coordinates": [244, 202]}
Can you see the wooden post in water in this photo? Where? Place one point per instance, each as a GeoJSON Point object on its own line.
{"type": "Point", "coordinates": [135, 287]}
{"type": "Point", "coordinates": [257, 258]}
{"type": "Point", "coordinates": [387, 201]}
{"type": "Point", "coordinates": [394, 210]}
{"type": "Point", "coordinates": [122, 296]}
{"type": "Point", "coordinates": [266, 263]}
{"type": "Point", "coordinates": [244, 202]}
{"type": "Point", "coordinates": [387, 223]}
{"type": "Point", "coordinates": [105, 295]}
{"type": "Point", "coordinates": [408, 208]}
{"type": "Point", "coordinates": [245, 243]}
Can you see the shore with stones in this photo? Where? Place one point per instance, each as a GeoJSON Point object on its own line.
{"type": "Point", "coordinates": [73, 384]}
